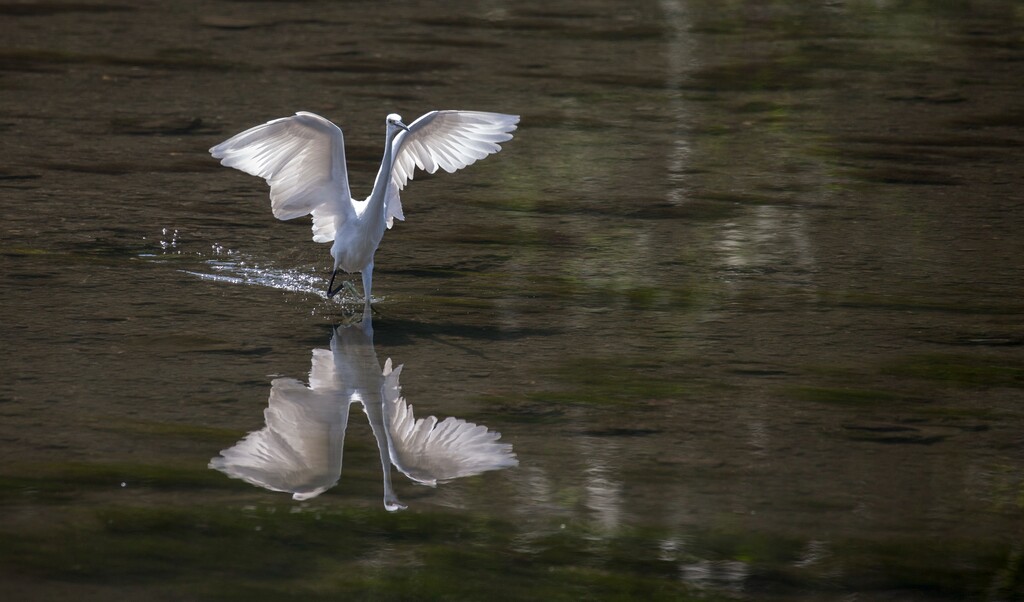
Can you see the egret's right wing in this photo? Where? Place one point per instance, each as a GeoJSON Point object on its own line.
{"type": "Point", "coordinates": [302, 158]}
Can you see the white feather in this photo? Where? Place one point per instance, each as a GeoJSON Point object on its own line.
{"type": "Point", "coordinates": [302, 158]}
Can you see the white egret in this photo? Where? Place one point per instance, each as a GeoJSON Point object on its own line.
{"type": "Point", "coordinates": [302, 158]}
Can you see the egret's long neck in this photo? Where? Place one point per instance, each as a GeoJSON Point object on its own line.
{"type": "Point", "coordinates": [375, 208]}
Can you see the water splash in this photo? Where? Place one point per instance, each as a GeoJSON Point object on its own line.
{"type": "Point", "coordinates": [246, 272]}
{"type": "Point", "coordinates": [241, 272]}
{"type": "Point", "coordinates": [169, 241]}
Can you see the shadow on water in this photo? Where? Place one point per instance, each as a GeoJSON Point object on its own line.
{"type": "Point", "coordinates": [299, 451]}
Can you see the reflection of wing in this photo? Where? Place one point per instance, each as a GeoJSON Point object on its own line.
{"type": "Point", "coordinates": [299, 451]}
{"type": "Point", "coordinates": [323, 376]}
{"type": "Point", "coordinates": [428, 451]}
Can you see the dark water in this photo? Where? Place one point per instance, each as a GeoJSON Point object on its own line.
{"type": "Point", "coordinates": [745, 295]}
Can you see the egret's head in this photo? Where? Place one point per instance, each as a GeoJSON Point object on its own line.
{"type": "Point", "coordinates": [395, 120]}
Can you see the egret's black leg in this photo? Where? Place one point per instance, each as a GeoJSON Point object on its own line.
{"type": "Point", "coordinates": [331, 292]}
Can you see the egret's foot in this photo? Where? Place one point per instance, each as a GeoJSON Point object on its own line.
{"type": "Point", "coordinates": [351, 288]}
{"type": "Point", "coordinates": [346, 286]}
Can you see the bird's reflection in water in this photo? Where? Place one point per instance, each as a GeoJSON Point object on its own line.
{"type": "Point", "coordinates": [299, 451]}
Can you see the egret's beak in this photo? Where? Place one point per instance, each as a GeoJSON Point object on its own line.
{"type": "Point", "coordinates": [402, 125]}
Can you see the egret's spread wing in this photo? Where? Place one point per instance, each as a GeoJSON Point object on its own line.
{"type": "Point", "coordinates": [448, 140]}
{"type": "Point", "coordinates": [429, 451]}
{"type": "Point", "coordinates": [302, 158]}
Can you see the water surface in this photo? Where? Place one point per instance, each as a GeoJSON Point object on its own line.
{"type": "Point", "coordinates": [744, 295]}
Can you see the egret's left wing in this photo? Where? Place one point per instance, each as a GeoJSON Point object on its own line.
{"type": "Point", "coordinates": [449, 140]}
